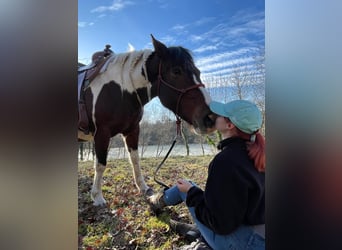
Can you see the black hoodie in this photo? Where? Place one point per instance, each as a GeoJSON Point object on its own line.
{"type": "Point", "coordinates": [234, 192]}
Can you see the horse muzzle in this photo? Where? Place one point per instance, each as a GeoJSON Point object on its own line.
{"type": "Point", "coordinates": [205, 125]}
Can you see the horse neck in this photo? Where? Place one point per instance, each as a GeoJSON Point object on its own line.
{"type": "Point", "coordinates": [152, 71]}
{"type": "Point", "coordinates": [130, 71]}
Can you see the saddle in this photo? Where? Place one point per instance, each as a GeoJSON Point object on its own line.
{"type": "Point", "coordinates": [86, 74]}
{"type": "Point", "coordinates": [98, 59]}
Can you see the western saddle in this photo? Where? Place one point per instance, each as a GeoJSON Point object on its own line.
{"type": "Point", "coordinates": [98, 59]}
{"type": "Point", "coordinates": [90, 71]}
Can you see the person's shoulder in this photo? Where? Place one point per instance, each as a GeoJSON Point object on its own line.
{"type": "Point", "coordinates": [224, 155]}
{"type": "Point", "coordinates": [224, 161]}
{"type": "Point", "coordinates": [232, 151]}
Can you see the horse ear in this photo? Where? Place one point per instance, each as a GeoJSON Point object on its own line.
{"type": "Point", "coordinates": [159, 48]}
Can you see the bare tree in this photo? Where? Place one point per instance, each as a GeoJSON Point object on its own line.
{"type": "Point", "coordinates": [241, 80]}
{"type": "Point", "coordinates": [259, 79]}
{"type": "Point", "coordinates": [143, 137]}
{"type": "Point", "coordinates": [201, 143]}
{"type": "Point", "coordinates": [218, 87]}
{"type": "Point", "coordinates": [185, 140]}
{"type": "Point", "coordinates": [81, 150]}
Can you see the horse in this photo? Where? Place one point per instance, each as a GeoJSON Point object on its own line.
{"type": "Point", "coordinates": [115, 99]}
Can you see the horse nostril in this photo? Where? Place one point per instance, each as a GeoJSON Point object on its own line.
{"type": "Point", "coordinates": [209, 122]}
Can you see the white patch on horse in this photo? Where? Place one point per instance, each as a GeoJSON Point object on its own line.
{"type": "Point", "coordinates": [195, 79]}
{"type": "Point", "coordinates": [138, 178]}
{"type": "Point", "coordinates": [96, 191]}
{"type": "Point", "coordinates": [205, 93]}
{"type": "Point", "coordinates": [126, 70]}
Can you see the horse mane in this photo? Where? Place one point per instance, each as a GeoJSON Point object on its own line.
{"type": "Point", "coordinates": [181, 55]}
{"type": "Point", "coordinates": [125, 69]}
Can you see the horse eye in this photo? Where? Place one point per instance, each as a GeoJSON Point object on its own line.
{"type": "Point", "coordinates": [176, 71]}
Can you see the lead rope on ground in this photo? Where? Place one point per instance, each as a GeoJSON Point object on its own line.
{"type": "Point", "coordinates": [178, 133]}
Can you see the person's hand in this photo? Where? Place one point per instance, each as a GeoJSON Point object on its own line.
{"type": "Point", "coordinates": [183, 185]}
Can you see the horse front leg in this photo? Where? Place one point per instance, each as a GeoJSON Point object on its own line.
{"type": "Point", "coordinates": [101, 139]}
{"type": "Point", "coordinates": [131, 142]}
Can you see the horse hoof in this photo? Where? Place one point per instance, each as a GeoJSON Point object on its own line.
{"type": "Point", "coordinates": [96, 204]}
{"type": "Point", "coordinates": [99, 202]}
{"type": "Point", "coordinates": [149, 192]}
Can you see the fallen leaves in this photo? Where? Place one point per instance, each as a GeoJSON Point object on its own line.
{"type": "Point", "coordinates": [126, 222]}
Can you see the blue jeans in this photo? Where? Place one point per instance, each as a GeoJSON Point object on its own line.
{"type": "Point", "coordinates": [242, 238]}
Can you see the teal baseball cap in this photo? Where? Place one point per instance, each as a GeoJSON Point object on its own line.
{"type": "Point", "coordinates": [243, 114]}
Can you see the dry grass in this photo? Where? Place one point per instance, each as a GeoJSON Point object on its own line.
{"type": "Point", "coordinates": [127, 221]}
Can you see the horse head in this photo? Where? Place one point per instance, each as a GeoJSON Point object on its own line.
{"type": "Point", "coordinates": [176, 81]}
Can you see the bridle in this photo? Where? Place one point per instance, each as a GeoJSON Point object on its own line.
{"type": "Point", "coordinates": [178, 122]}
{"type": "Point", "coordinates": [181, 91]}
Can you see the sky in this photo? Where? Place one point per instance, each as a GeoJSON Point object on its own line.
{"type": "Point", "coordinates": [221, 34]}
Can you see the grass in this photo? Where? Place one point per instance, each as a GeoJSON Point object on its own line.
{"type": "Point", "coordinates": [126, 222]}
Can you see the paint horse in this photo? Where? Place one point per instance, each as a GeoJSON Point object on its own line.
{"type": "Point", "coordinates": [116, 97]}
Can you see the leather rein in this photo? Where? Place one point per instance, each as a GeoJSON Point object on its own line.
{"type": "Point", "coordinates": [178, 122]}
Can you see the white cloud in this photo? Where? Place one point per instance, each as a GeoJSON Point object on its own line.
{"type": "Point", "coordinates": [164, 6]}
{"type": "Point", "coordinates": [233, 39]}
{"type": "Point", "coordinates": [163, 3]}
{"type": "Point", "coordinates": [234, 67]}
{"type": "Point", "coordinates": [246, 22]}
{"type": "Point", "coordinates": [234, 31]}
{"type": "Point", "coordinates": [168, 40]}
{"type": "Point", "coordinates": [226, 76]}
{"type": "Point", "coordinates": [225, 64]}
{"type": "Point", "coordinates": [225, 56]}
{"type": "Point", "coordinates": [183, 28]}
{"type": "Point", "coordinates": [85, 24]}
{"type": "Point", "coordinates": [178, 27]}
{"type": "Point", "coordinates": [115, 6]}
{"type": "Point", "coordinates": [82, 24]}
{"type": "Point", "coordinates": [246, 15]}
{"type": "Point", "coordinates": [204, 20]}
{"type": "Point", "coordinates": [196, 38]}
{"type": "Point", "coordinates": [205, 48]}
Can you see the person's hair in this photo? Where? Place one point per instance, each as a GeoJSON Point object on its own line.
{"type": "Point", "coordinates": [256, 149]}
